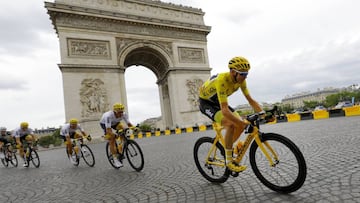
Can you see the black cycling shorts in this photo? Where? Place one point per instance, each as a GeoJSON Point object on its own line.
{"type": "Point", "coordinates": [72, 136]}
{"type": "Point", "coordinates": [210, 108]}
{"type": "Point", "coordinates": [104, 128]}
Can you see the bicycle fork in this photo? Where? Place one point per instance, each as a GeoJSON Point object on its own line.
{"type": "Point", "coordinates": [211, 158]}
{"type": "Point", "coordinates": [265, 147]}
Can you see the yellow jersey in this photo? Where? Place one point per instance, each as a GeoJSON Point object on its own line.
{"type": "Point", "coordinates": [217, 88]}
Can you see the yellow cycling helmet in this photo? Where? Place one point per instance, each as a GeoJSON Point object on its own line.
{"type": "Point", "coordinates": [73, 121]}
{"type": "Point", "coordinates": [24, 124]}
{"type": "Point", "coordinates": [239, 63]}
{"type": "Point", "coordinates": [118, 107]}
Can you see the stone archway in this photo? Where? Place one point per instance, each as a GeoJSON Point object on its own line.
{"type": "Point", "coordinates": [99, 39]}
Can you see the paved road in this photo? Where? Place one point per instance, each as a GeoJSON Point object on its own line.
{"type": "Point", "coordinates": [330, 146]}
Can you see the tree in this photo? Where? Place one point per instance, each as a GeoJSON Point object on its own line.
{"type": "Point", "coordinates": [310, 104]}
{"type": "Point", "coordinates": [333, 99]}
{"type": "Point", "coordinates": [286, 108]}
{"type": "Point", "coordinates": [145, 127]}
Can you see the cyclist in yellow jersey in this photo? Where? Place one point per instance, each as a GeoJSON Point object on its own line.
{"type": "Point", "coordinates": [213, 100]}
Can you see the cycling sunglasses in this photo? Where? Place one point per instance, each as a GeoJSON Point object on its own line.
{"type": "Point", "coordinates": [244, 74]}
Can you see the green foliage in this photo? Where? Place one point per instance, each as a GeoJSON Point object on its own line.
{"type": "Point", "coordinates": [145, 127]}
{"type": "Point", "coordinates": [54, 139]}
{"type": "Point", "coordinates": [310, 104]}
{"type": "Point", "coordinates": [244, 113]}
{"type": "Point", "coordinates": [286, 108]}
{"type": "Point", "coordinates": [46, 140]}
{"type": "Point", "coordinates": [333, 99]}
{"type": "Point", "coordinates": [57, 140]}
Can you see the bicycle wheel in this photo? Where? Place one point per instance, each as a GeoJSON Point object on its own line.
{"type": "Point", "coordinates": [87, 155]}
{"type": "Point", "coordinates": [289, 172]}
{"type": "Point", "coordinates": [214, 171]}
{"type": "Point", "coordinates": [34, 158]}
{"type": "Point", "coordinates": [77, 160]}
{"type": "Point", "coordinates": [109, 155]}
{"type": "Point", "coordinates": [5, 160]}
{"type": "Point", "coordinates": [13, 159]}
{"type": "Point", "coordinates": [134, 155]}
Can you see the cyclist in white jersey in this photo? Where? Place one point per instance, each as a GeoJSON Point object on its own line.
{"type": "Point", "coordinates": [112, 120]}
{"type": "Point", "coordinates": [71, 131]}
{"type": "Point", "coordinates": [21, 134]}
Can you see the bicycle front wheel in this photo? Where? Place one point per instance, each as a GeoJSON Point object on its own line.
{"type": "Point", "coordinates": [210, 160]}
{"type": "Point", "coordinates": [134, 155]}
{"type": "Point", "coordinates": [5, 160]}
{"type": "Point", "coordinates": [13, 159]}
{"type": "Point", "coordinates": [34, 158]}
{"type": "Point", "coordinates": [87, 155]}
{"type": "Point", "coordinates": [289, 171]}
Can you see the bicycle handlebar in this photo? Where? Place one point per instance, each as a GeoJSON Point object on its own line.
{"type": "Point", "coordinates": [258, 116]}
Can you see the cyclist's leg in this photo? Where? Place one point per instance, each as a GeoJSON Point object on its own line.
{"type": "Point", "coordinates": [233, 131]}
{"type": "Point", "coordinates": [21, 142]}
{"type": "Point", "coordinates": [2, 156]}
{"type": "Point", "coordinates": [112, 145]}
{"type": "Point", "coordinates": [109, 135]}
{"type": "Point", "coordinates": [67, 140]}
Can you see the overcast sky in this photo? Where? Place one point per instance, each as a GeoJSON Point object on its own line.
{"type": "Point", "coordinates": [293, 46]}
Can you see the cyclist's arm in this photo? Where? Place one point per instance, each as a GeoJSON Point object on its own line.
{"type": "Point", "coordinates": [255, 105]}
{"type": "Point", "coordinates": [82, 131]}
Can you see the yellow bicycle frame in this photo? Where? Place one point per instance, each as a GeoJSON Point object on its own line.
{"type": "Point", "coordinates": [264, 147]}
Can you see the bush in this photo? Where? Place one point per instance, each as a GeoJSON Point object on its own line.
{"type": "Point", "coordinates": [57, 142]}
{"type": "Point", "coordinates": [54, 139]}
{"type": "Point", "coordinates": [46, 140]}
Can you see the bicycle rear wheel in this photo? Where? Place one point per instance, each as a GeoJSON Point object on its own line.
{"type": "Point", "coordinates": [213, 167]}
{"type": "Point", "coordinates": [34, 158]}
{"type": "Point", "coordinates": [134, 155]}
{"type": "Point", "coordinates": [87, 155]}
{"type": "Point", "coordinates": [289, 172]}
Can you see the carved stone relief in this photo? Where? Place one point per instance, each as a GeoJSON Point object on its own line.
{"type": "Point", "coordinates": [123, 27]}
{"type": "Point", "coordinates": [193, 91]}
{"type": "Point", "coordinates": [88, 48]}
{"type": "Point", "coordinates": [93, 97]}
{"type": "Point", "coordinates": [191, 55]}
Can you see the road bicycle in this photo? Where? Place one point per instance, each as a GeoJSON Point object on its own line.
{"type": "Point", "coordinates": [9, 155]}
{"type": "Point", "coordinates": [276, 161]}
{"type": "Point", "coordinates": [31, 155]}
{"type": "Point", "coordinates": [80, 149]}
{"type": "Point", "coordinates": [126, 146]}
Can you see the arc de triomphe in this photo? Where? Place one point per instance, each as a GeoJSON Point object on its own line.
{"type": "Point", "coordinates": [99, 39]}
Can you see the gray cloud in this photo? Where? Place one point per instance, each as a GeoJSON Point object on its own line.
{"type": "Point", "coordinates": [22, 26]}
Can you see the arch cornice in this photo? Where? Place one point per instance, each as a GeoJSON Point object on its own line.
{"type": "Point", "coordinates": [85, 18]}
